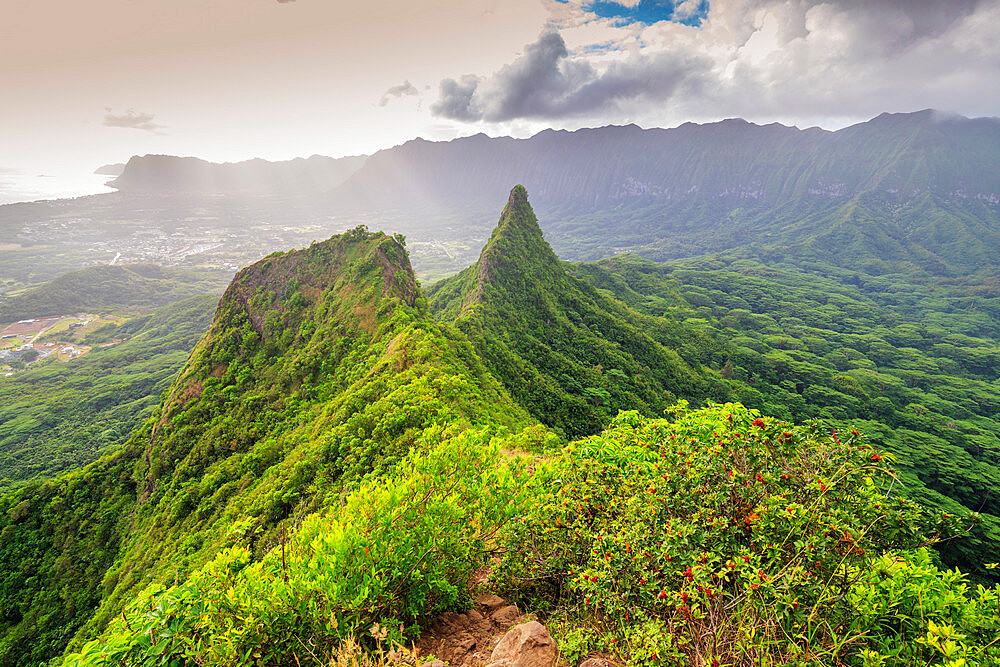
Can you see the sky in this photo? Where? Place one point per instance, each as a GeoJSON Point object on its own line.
{"type": "Point", "coordinates": [91, 83]}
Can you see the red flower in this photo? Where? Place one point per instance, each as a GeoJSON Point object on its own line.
{"type": "Point", "coordinates": [759, 423]}
{"type": "Point", "coordinates": [688, 573]}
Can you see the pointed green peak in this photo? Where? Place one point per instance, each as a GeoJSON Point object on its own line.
{"type": "Point", "coordinates": [517, 218]}
{"type": "Point", "coordinates": [517, 255]}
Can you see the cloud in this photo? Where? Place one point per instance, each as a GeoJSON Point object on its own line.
{"type": "Point", "coordinates": [405, 88]}
{"type": "Point", "coordinates": [546, 83]}
{"type": "Point", "coordinates": [132, 119]}
{"type": "Point", "coordinates": [800, 60]}
{"type": "Point", "coordinates": [687, 9]}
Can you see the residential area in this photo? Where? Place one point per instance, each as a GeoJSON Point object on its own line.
{"type": "Point", "coordinates": [29, 341]}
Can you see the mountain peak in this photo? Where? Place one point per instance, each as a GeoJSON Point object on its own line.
{"type": "Point", "coordinates": [518, 196]}
{"type": "Point", "coordinates": [517, 256]}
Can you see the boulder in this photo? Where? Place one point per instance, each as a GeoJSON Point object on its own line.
{"type": "Point", "coordinates": [490, 603]}
{"type": "Point", "coordinates": [525, 645]}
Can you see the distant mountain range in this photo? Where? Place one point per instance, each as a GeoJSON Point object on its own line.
{"type": "Point", "coordinates": [921, 188]}
{"type": "Point", "coordinates": [902, 155]}
{"type": "Point", "coordinates": [167, 173]}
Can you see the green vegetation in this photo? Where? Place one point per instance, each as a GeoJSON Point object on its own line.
{"type": "Point", "coordinates": [104, 289]}
{"type": "Point", "coordinates": [396, 550]}
{"type": "Point", "coordinates": [56, 416]}
{"type": "Point", "coordinates": [319, 368]}
{"type": "Point", "coordinates": [724, 538]}
{"type": "Point", "coordinates": [568, 353]}
{"type": "Point", "coordinates": [718, 538]}
{"type": "Point", "coordinates": [340, 451]}
{"type": "Point", "coordinates": [806, 347]}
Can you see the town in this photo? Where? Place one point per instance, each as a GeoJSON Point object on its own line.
{"type": "Point", "coordinates": [29, 341]}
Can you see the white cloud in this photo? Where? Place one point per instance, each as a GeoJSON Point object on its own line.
{"type": "Point", "coordinates": [805, 61]}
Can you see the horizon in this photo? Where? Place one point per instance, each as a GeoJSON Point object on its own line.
{"type": "Point", "coordinates": [280, 79]}
{"type": "Point", "coordinates": [93, 183]}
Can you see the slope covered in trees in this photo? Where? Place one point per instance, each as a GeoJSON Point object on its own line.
{"type": "Point", "coordinates": [109, 289]}
{"type": "Point", "coordinates": [789, 343]}
{"type": "Point", "coordinates": [571, 355]}
{"type": "Point", "coordinates": [65, 415]}
{"type": "Point", "coordinates": [320, 367]}
{"type": "Point", "coordinates": [806, 347]}
{"type": "Point", "coordinates": [339, 451]}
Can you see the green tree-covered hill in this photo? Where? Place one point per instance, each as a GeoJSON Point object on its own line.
{"type": "Point", "coordinates": [809, 347]}
{"type": "Point", "coordinates": [568, 353]}
{"type": "Point", "coordinates": [109, 289]}
{"type": "Point", "coordinates": [340, 450]}
{"type": "Point", "coordinates": [65, 415]}
{"type": "Point", "coordinates": [320, 367]}
{"type": "Point", "coordinates": [787, 342]}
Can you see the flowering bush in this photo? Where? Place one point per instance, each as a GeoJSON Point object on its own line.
{"type": "Point", "coordinates": [720, 538]}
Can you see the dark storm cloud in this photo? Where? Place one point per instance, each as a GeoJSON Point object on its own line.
{"type": "Point", "coordinates": [132, 119]}
{"type": "Point", "coordinates": [546, 83]}
{"type": "Point", "coordinates": [405, 88]}
{"type": "Point", "coordinates": [748, 56]}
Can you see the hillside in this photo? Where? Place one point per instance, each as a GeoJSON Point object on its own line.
{"type": "Point", "coordinates": [65, 415]}
{"type": "Point", "coordinates": [575, 343]}
{"type": "Point", "coordinates": [137, 288]}
{"type": "Point", "coordinates": [341, 451]}
{"type": "Point", "coordinates": [320, 367]}
{"type": "Point", "coordinates": [569, 354]}
{"type": "Point", "coordinates": [803, 347]}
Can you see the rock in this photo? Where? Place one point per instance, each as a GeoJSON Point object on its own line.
{"type": "Point", "coordinates": [434, 663]}
{"type": "Point", "coordinates": [594, 662]}
{"type": "Point", "coordinates": [477, 621]}
{"type": "Point", "coordinates": [452, 622]}
{"type": "Point", "coordinates": [525, 645]}
{"type": "Point", "coordinates": [506, 615]}
{"type": "Point", "coordinates": [490, 603]}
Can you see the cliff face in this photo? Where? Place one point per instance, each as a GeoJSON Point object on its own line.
{"type": "Point", "coordinates": [732, 160]}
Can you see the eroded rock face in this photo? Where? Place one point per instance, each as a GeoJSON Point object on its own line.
{"type": "Point", "coordinates": [525, 645]}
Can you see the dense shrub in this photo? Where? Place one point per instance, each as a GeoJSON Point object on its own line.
{"type": "Point", "coordinates": [395, 551]}
{"type": "Point", "coordinates": [724, 538]}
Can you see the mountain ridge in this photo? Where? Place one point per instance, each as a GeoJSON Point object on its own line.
{"type": "Point", "coordinates": [320, 367]}
{"type": "Point", "coordinates": [168, 173]}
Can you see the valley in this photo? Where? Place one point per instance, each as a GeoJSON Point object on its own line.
{"type": "Point", "coordinates": [837, 346]}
